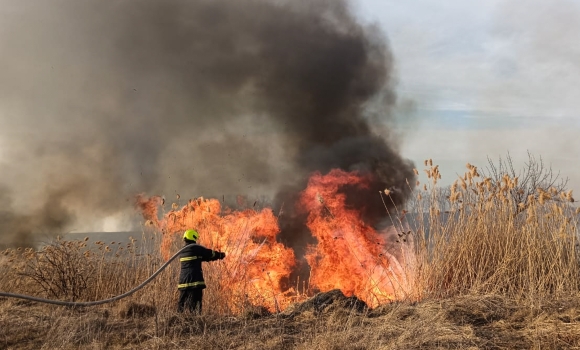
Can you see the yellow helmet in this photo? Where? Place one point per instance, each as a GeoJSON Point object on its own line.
{"type": "Point", "coordinates": [191, 235]}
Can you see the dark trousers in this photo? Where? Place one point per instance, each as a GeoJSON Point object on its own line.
{"type": "Point", "coordinates": [190, 299]}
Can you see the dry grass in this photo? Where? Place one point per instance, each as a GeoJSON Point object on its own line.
{"type": "Point", "coordinates": [482, 241]}
{"type": "Point", "coordinates": [467, 322]}
{"type": "Point", "coordinates": [492, 273]}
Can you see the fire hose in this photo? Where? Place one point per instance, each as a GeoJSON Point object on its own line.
{"type": "Point", "coordinates": [98, 302]}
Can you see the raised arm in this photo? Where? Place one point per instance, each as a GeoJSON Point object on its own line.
{"type": "Point", "coordinates": [211, 255]}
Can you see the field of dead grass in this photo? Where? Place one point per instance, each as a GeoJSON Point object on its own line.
{"type": "Point", "coordinates": [493, 270]}
{"type": "Point", "coordinates": [461, 322]}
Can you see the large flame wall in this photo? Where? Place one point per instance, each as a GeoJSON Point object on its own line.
{"type": "Point", "coordinates": [350, 255]}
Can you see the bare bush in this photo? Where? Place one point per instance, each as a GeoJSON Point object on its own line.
{"type": "Point", "coordinates": [61, 269]}
{"type": "Point", "coordinates": [531, 181]}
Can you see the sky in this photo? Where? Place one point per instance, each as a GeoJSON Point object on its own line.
{"type": "Point", "coordinates": [479, 79]}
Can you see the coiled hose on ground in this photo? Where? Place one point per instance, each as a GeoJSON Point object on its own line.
{"type": "Point", "coordinates": [98, 302]}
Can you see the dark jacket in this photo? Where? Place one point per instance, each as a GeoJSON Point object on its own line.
{"type": "Point", "coordinates": [191, 275]}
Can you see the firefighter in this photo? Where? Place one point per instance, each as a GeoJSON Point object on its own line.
{"type": "Point", "coordinates": [191, 283]}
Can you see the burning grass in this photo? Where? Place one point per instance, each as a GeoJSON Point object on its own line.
{"type": "Point", "coordinates": [476, 267]}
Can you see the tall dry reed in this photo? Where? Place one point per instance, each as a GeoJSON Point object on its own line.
{"type": "Point", "coordinates": [476, 238]}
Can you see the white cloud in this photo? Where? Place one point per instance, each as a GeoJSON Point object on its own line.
{"type": "Point", "coordinates": [496, 56]}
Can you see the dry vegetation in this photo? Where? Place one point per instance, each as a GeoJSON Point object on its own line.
{"type": "Point", "coordinates": [495, 270]}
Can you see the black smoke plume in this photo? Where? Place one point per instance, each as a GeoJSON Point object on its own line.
{"type": "Point", "coordinates": [100, 100]}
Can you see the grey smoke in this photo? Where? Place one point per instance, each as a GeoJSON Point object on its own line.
{"type": "Point", "coordinates": [101, 100]}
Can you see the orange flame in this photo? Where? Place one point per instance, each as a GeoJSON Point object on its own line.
{"type": "Point", "coordinates": [350, 255]}
{"type": "Point", "coordinates": [255, 265]}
